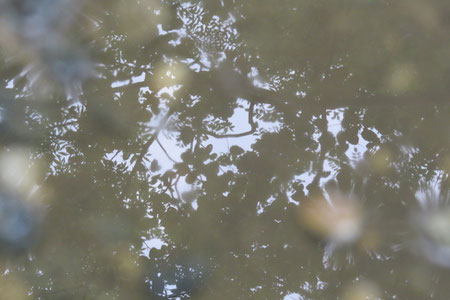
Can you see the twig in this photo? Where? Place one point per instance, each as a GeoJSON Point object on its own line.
{"type": "Point", "coordinates": [321, 156]}
{"type": "Point", "coordinates": [114, 156]}
{"type": "Point", "coordinates": [252, 123]}
{"type": "Point", "coordinates": [165, 152]}
{"type": "Point", "coordinates": [176, 187]}
{"type": "Point", "coordinates": [144, 152]}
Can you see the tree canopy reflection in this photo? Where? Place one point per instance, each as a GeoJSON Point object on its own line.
{"type": "Point", "coordinates": [224, 150]}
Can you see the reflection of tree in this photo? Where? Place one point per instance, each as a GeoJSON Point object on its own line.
{"type": "Point", "coordinates": [244, 239]}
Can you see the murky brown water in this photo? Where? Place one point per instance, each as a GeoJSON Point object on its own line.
{"type": "Point", "coordinates": [224, 149]}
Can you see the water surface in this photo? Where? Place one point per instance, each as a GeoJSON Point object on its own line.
{"type": "Point", "coordinates": [226, 149]}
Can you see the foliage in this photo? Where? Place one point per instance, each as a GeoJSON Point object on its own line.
{"type": "Point", "coordinates": [349, 95]}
